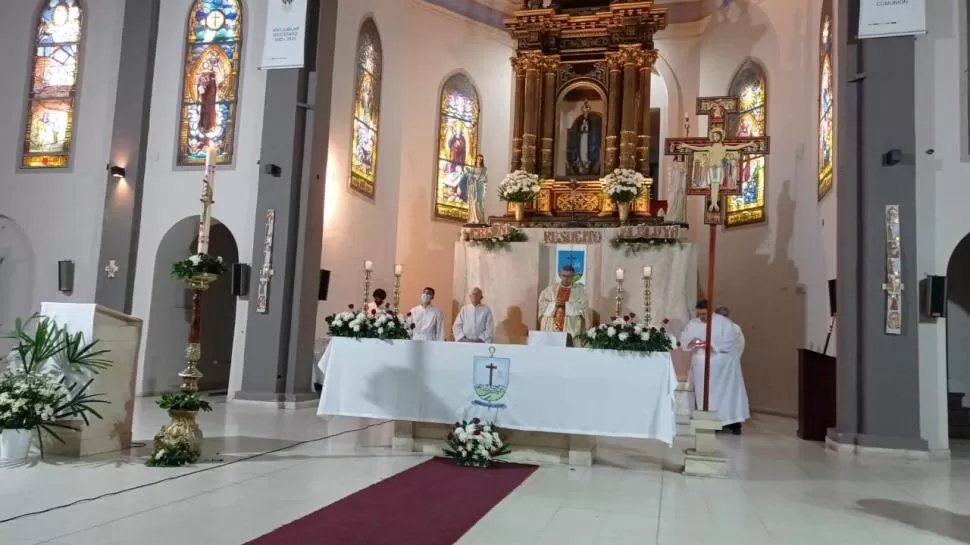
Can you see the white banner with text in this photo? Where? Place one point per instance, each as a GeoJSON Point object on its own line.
{"type": "Point", "coordinates": [888, 18]}
{"type": "Point", "coordinates": [285, 34]}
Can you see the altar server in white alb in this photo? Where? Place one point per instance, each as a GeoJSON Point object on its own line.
{"type": "Point", "coordinates": [427, 322]}
{"type": "Point", "coordinates": [475, 323]}
{"type": "Point", "coordinates": [728, 399]}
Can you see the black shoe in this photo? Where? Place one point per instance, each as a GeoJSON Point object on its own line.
{"type": "Point", "coordinates": [317, 387]}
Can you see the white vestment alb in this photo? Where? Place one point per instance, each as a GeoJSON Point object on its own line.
{"type": "Point", "coordinates": [429, 324]}
{"type": "Point", "coordinates": [729, 399]}
{"type": "Point", "coordinates": [474, 322]}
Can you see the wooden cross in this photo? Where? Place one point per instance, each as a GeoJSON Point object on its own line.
{"type": "Point", "coordinates": [713, 162]}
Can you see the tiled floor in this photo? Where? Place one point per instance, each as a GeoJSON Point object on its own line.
{"type": "Point", "coordinates": [782, 491]}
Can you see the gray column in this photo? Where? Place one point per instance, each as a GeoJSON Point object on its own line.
{"type": "Point", "coordinates": [279, 344]}
{"type": "Point", "coordinates": [878, 374]}
{"type": "Point", "coordinates": [129, 143]}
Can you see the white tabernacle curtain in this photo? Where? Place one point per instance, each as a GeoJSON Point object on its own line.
{"type": "Point", "coordinates": [531, 388]}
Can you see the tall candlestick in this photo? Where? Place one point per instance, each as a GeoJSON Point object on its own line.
{"type": "Point", "coordinates": [647, 297]}
{"type": "Point", "coordinates": [368, 267]}
{"type": "Point", "coordinates": [619, 295]}
{"type": "Point", "coordinates": [205, 219]}
{"type": "Point", "coordinates": [398, 269]}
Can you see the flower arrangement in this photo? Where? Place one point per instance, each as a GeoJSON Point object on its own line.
{"type": "Point", "coordinates": [500, 242]}
{"type": "Point", "coordinates": [624, 333]}
{"type": "Point", "coordinates": [383, 324]}
{"type": "Point", "coordinates": [475, 444]}
{"type": "Point", "coordinates": [518, 187]}
{"type": "Point", "coordinates": [623, 185]}
{"type": "Point", "coordinates": [198, 264]}
{"type": "Point", "coordinates": [635, 246]}
{"type": "Point", "coordinates": [175, 454]}
{"type": "Point", "coordinates": [183, 401]}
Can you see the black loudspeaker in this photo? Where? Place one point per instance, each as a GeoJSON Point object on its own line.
{"type": "Point", "coordinates": [240, 279]}
{"type": "Point", "coordinates": [833, 309]}
{"type": "Point", "coordinates": [934, 296]}
{"type": "Point", "coordinates": [324, 286]}
{"type": "Point", "coordinates": [65, 277]}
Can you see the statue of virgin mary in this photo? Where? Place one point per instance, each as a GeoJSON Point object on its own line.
{"type": "Point", "coordinates": [474, 180]}
{"type": "Point", "coordinates": [583, 143]}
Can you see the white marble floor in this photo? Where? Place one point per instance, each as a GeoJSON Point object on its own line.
{"type": "Point", "coordinates": [782, 491]}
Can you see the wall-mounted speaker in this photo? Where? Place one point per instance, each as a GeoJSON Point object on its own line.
{"type": "Point", "coordinates": [933, 290]}
{"type": "Point", "coordinates": [833, 298]}
{"type": "Point", "coordinates": [324, 286]}
{"type": "Point", "coordinates": [239, 276]}
{"type": "Point", "coordinates": [65, 276]}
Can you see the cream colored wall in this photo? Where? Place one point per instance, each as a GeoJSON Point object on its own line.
{"type": "Point", "coordinates": [773, 275]}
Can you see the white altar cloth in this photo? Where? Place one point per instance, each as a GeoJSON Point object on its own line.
{"type": "Point", "coordinates": [560, 390]}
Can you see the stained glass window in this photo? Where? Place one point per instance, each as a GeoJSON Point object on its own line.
{"type": "Point", "coordinates": [457, 146]}
{"type": "Point", "coordinates": [210, 81]}
{"type": "Point", "coordinates": [367, 109]}
{"type": "Point", "coordinates": [49, 126]}
{"type": "Point", "coordinates": [749, 85]}
{"type": "Point", "coordinates": [826, 104]}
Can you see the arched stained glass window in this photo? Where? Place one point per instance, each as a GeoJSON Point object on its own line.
{"type": "Point", "coordinates": [749, 84]}
{"type": "Point", "coordinates": [51, 98]}
{"type": "Point", "coordinates": [457, 146]}
{"type": "Point", "coordinates": [367, 109]}
{"type": "Point", "coordinates": [210, 81]}
{"type": "Point", "coordinates": [826, 103]}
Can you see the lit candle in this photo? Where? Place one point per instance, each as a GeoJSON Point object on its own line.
{"type": "Point", "coordinates": [397, 270]}
{"type": "Point", "coordinates": [647, 270]}
{"type": "Point", "coordinates": [368, 265]}
{"type": "Point", "coordinates": [205, 220]}
{"type": "Point", "coordinates": [619, 274]}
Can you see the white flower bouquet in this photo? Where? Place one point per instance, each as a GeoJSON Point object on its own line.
{"type": "Point", "coordinates": [518, 186]}
{"type": "Point", "coordinates": [378, 324]}
{"type": "Point", "coordinates": [625, 333]}
{"type": "Point", "coordinates": [197, 264]}
{"type": "Point", "coordinates": [28, 401]}
{"type": "Point", "coordinates": [476, 444]}
{"type": "Point", "coordinates": [623, 185]}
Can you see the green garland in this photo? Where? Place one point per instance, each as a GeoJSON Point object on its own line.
{"type": "Point", "coordinates": [182, 401]}
{"type": "Point", "coordinates": [636, 246]}
{"type": "Point", "coordinates": [198, 264]}
{"type": "Point", "coordinates": [174, 455]}
{"type": "Point", "coordinates": [500, 243]}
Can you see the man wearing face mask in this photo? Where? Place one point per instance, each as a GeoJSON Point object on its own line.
{"type": "Point", "coordinates": [427, 322]}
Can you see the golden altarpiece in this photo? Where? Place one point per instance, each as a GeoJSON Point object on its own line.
{"type": "Point", "coordinates": [582, 101]}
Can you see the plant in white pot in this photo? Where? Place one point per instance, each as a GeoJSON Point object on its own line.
{"type": "Point", "coordinates": [45, 387]}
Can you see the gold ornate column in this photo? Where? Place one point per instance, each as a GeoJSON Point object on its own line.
{"type": "Point", "coordinates": [614, 63]}
{"type": "Point", "coordinates": [549, 67]}
{"type": "Point", "coordinates": [643, 139]}
{"type": "Point", "coordinates": [519, 71]}
{"type": "Point", "coordinates": [532, 61]}
{"type": "Point", "coordinates": [631, 57]}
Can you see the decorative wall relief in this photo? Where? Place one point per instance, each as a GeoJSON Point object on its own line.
{"type": "Point", "coordinates": [894, 274]}
{"type": "Point", "coordinates": [266, 271]}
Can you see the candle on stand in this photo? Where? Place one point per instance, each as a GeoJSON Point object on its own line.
{"type": "Point", "coordinates": [620, 273]}
{"type": "Point", "coordinates": [368, 265]}
{"type": "Point", "coordinates": [397, 270]}
{"type": "Point", "coordinates": [205, 219]}
{"type": "Point", "coordinates": [647, 271]}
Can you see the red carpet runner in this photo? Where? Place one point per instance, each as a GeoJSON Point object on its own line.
{"type": "Point", "coordinates": [433, 503]}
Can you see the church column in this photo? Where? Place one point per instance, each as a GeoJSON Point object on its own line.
{"type": "Point", "coordinates": [613, 62]}
{"type": "Point", "coordinates": [628, 120]}
{"type": "Point", "coordinates": [129, 145]}
{"type": "Point", "coordinates": [278, 366]}
{"type": "Point", "coordinates": [877, 373]}
{"type": "Point", "coordinates": [643, 139]}
{"type": "Point", "coordinates": [518, 117]}
{"type": "Point", "coordinates": [549, 67]}
{"type": "Point", "coordinates": [532, 61]}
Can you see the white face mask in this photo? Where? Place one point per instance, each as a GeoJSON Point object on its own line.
{"type": "Point", "coordinates": [425, 298]}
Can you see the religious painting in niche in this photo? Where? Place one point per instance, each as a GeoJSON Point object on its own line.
{"type": "Point", "coordinates": [457, 146]}
{"type": "Point", "coordinates": [367, 107]}
{"type": "Point", "coordinates": [826, 106]}
{"type": "Point", "coordinates": [750, 86]}
{"type": "Point", "coordinates": [580, 112]}
{"type": "Point", "coordinates": [210, 81]}
{"type": "Point", "coordinates": [49, 125]}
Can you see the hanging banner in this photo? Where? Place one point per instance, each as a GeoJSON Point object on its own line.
{"type": "Point", "coordinates": [285, 42]}
{"type": "Point", "coordinates": [888, 18]}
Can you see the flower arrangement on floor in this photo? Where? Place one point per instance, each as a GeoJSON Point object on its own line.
{"type": "Point", "coordinates": [46, 385]}
{"type": "Point", "coordinates": [623, 185]}
{"type": "Point", "coordinates": [500, 242]}
{"type": "Point", "coordinates": [177, 453]}
{"type": "Point", "coordinates": [636, 246]}
{"type": "Point", "coordinates": [518, 187]}
{"type": "Point", "coordinates": [625, 333]}
{"type": "Point", "coordinates": [197, 265]}
{"type": "Point", "coordinates": [475, 444]}
{"type": "Point", "coordinates": [383, 324]}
